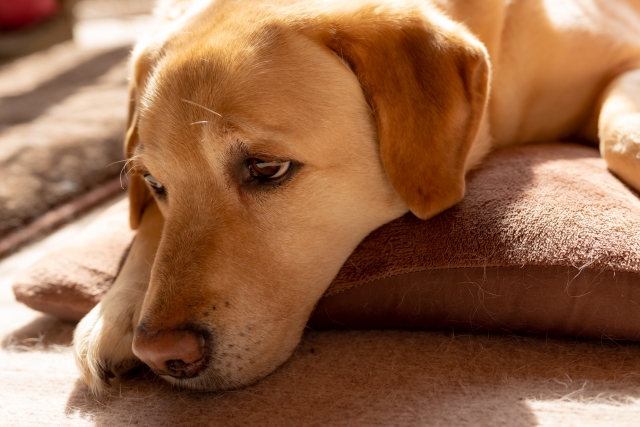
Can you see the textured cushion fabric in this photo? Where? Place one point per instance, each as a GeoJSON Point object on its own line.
{"type": "Point", "coordinates": [545, 241]}
{"type": "Point", "coordinates": [69, 282]}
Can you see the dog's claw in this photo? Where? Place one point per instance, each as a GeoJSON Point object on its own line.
{"type": "Point", "coordinates": [127, 368]}
{"type": "Point", "coordinates": [106, 375]}
{"type": "Point", "coordinates": [110, 375]}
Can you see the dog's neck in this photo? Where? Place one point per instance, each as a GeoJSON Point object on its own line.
{"type": "Point", "coordinates": [484, 19]}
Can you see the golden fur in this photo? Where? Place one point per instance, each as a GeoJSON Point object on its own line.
{"type": "Point", "coordinates": [381, 106]}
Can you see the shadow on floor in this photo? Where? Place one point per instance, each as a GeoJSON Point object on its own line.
{"type": "Point", "coordinates": [26, 107]}
{"type": "Point", "coordinates": [43, 333]}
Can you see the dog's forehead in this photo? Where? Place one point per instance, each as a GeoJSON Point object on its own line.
{"type": "Point", "coordinates": [268, 84]}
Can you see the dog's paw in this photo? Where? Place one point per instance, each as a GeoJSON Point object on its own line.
{"type": "Point", "coordinates": [102, 342]}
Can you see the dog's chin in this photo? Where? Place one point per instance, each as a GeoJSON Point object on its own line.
{"type": "Point", "coordinates": [212, 380]}
{"type": "Point", "coordinates": [207, 381]}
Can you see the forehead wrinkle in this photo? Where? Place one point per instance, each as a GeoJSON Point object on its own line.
{"type": "Point", "coordinates": [221, 74]}
{"type": "Point", "coordinates": [253, 85]}
{"type": "Point", "coordinates": [216, 149]}
{"type": "Point", "coordinates": [200, 66]}
{"type": "Point", "coordinates": [165, 153]}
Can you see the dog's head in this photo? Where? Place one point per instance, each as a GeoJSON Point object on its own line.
{"type": "Point", "coordinates": [273, 141]}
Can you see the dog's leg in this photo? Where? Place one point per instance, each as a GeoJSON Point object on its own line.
{"type": "Point", "coordinates": [619, 127]}
{"type": "Point", "coordinates": [103, 338]}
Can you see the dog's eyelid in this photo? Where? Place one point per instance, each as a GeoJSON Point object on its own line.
{"type": "Point", "coordinates": [266, 157]}
{"type": "Point", "coordinates": [155, 185]}
{"type": "Point", "coordinates": [268, 164]}
{"type": "Point", "coordinates": [152, 181]}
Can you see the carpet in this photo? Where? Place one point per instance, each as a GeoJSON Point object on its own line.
{"type": "Point", "coordinates": [62, 114]}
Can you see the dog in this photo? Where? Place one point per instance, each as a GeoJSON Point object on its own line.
{"type": "Point", "coordinates": [267, 139]}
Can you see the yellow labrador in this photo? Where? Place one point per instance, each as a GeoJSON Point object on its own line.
{"type": "Point", "coordinates": [267, 139]}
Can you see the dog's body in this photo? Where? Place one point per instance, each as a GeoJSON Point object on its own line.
{"type": "Point", "coordinates": [274, 137]}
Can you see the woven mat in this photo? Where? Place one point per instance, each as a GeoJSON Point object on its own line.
{"type": "Point", "coordinates": [62, 114]}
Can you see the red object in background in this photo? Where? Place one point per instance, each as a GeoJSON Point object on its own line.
{"type": "Point", "coordinates": [22, 13]}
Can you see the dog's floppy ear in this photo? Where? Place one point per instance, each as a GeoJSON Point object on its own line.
{"type": "Point", "coordinates": [428, 85]}
{"type": "Point", "coordinates": [139, 194]}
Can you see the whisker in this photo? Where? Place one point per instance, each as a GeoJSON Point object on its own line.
{"type": "Point", "coordinates": [203, 107]}
{"type": "Point", "coordinates": [119, 161]}
{"type": "Point", "coordinates": [200, 122]}
{"type": "Point", "coordinates": [126, 173]}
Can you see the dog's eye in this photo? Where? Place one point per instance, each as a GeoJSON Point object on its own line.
{"type": "Point", "coordinates": [263, 169]}
{"type": "Point", "coordinates": [157, 187]}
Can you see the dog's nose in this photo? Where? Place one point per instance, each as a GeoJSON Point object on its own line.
{"type": "Point", "coordinates": [178, 353]}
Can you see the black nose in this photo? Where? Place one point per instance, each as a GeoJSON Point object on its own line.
{"type": "Point", "coordinates": [179, 353]}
